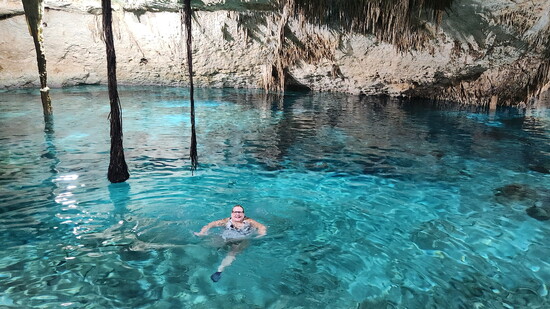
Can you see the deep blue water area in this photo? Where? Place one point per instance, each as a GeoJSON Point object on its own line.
{"type": "Point", "coordinates": [369, 202]}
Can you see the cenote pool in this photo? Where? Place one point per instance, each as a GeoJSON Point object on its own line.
{"type": "Point", "coordinates": [369, 202]}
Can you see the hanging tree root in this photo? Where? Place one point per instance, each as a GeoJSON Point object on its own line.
{"type": "Point", "coordinates": [118, 170]}
{"type": "Point", "coordinates": [33, 13]}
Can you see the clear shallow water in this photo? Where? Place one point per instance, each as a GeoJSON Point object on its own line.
{"type": "Point", "coordinates": [369, 203]}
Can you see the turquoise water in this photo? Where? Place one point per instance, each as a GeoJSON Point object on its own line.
{"type": "Point", "coordinates": [369, 202]}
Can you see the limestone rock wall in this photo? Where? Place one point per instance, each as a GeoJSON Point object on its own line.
{"type": "Point", "coordinates": [148, 47]}
{"type": "Point", "coordinates": [485, 51]}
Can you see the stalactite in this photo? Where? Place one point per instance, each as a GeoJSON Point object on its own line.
{"type": "Point", "coordinates": [33, 13]}
{"type": "Point", "coordinates": [393, 21]}
{"type": "Point", "coordinates": [274, 75]}
{"type": "Point", "coordinates": [398, 22]}
{"type": "Point", "coordinates": [186, 14]}
{"type": "Point", "coordinates": [307, 46]}
{"type": "Point", "coordinates": [539, 80]}
{"type": "Point", "coordinates": [118, 170]}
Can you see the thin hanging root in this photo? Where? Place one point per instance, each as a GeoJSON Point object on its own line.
{"type": "Point", "coordinates": [186, 14]}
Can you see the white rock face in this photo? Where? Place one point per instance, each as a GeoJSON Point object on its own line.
{"type": "Point", "coordinates": [148, 46]}
{"type": "Point", "coordinates": [475, 56]}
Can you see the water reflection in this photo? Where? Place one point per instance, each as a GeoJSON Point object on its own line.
{"type": "Point", "coordinates": [377, 132]}
{"type": "Point", "coordinates": [120, 196]}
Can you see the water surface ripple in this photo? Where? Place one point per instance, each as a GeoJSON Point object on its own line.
{"type": "Point", "coordinates": [369, 202]}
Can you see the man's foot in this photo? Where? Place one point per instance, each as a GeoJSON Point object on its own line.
{"type": "Point", "coordinates": [216, 276]}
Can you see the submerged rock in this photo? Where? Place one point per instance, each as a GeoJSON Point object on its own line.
{"type": "Point", "coordinates": [541, 209]}
{"type": "Point", "coordinates": [433, 235]}
{"type": "Point", "coordinates": [539, 213]}
{"type": "Point", "coordinates": [515, 192]}
{"type": "Point", "coordinates": [539, 168]}
{"type": "Point", "coordinates": [438, 154]}
{"type": "Point", "coordinates": [536, 201]}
